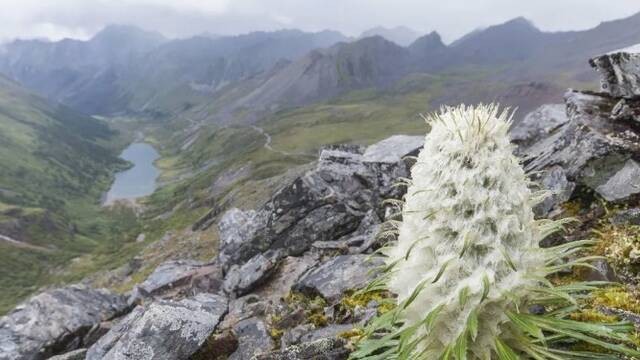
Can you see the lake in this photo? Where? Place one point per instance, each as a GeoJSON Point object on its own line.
{"type": "Point", "coordinates": [139, 180]}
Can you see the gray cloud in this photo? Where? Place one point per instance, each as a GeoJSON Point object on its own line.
{"type": "Point", "coordinates": [56, 19]}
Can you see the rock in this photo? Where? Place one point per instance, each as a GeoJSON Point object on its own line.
{"type": "Point", "coordinates": [72, 355]}
{"type": "Point", "coordinates": [253, 339]}
{"type": "Point", "coordinates": [243, 308]}
{"type": "Point", "coordinates": [217, 347]}
{"type": "Point", "coordinates": [175, 275]}
{"type": "Point", "coordinates": [293, 336]}
{"type": "Point", "coordinates": [286, 275]}
{"type": "Point", "coordinates": [241, 280]}
{"type": "Point", "coordinates": [393, 149]}
{"type": "Point", "coordinates": [589, 148]}
{"type": "Point", "coordinates": [365, 237]}
{"type": "Point", "coordinates": [554, 179]}
{"type": "Point", "coordinates": [162, 330]}
{"type": "Point", "coordinates": [601, 271]}
{"type": "Point", "coordinates": [629, 216]}
{"type": "Point", "coordinates": [626, 110]}
{"type": "Point", "coordinates": [324, 204]}
{"type": "Point", "coordinates": [538, 124]}
{"type": "Point", "coordinates": [55, 321]}
{"type": "Point", "coordinates": [324, 349]}
{"type": "Point", "coordinates": [623, 184]}
{"type": "Point", "coordinates": [237, 229]}
{"type": "Point", "coordinates": [329, 331]}
{"type": "Point", "coordinates": [332, 278]}
{"type": "Point", "coordinates": [619, 71]}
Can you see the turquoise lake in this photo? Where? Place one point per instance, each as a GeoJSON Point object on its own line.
{"type": "Point", "coordinates": [139, 180]}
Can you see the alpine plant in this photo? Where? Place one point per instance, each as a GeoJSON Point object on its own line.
{"type": "Point", "coordinates": [466, 266]}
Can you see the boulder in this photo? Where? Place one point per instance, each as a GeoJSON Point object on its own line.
{"type": "Point", "coordinates": [622, 184]}
{"type": "Point", "coordinates": [337, 275]}
{"type": "Point", "coordinates": [324, 349]}
{"type": "Point", "coordinates": [162, 330]}
{"type": "Point", "coordinates": [174, 275]}
{"type": "Point", "coordinates": [56, 321]}
{"type": "Point", "coordinates": [619, 74]}
{"type": "Point", "coordinates": [241, 280]}
{"type": "Point", "coordinates": [393, 149]}
{"type": "Point", "coordinates": [324, 204]}
{"type": "Point", "coordinates": [538, 124]}
{"type": "Point", "coordinates": [253, 339]}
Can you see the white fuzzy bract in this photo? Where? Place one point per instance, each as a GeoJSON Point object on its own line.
{"type": "Point", "coordinates": [468, 233]}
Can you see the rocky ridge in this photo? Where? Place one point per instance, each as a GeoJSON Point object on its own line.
{"type": "Point", "coordinates": [282, 286]}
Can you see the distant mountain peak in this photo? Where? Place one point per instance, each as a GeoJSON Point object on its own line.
{"type": "Point", "coordinates": [400, 35]}
{"type": "Point", "coordinates": [432, 40]}
{"type": "Point", "coordinates": [519, 23]}
{"type": "Point", "coordinates": [118, 32]}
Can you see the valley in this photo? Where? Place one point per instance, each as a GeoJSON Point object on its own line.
{"type": "Point", "coordinates": [225, 122]}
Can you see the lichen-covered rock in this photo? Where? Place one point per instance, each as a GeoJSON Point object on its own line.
{"type": "Point", "coordinates": [619, 71]}
{"type": "Point", "coordinates": [324, 204]}
{"type": "Point", "coordinates": [242, 279]}
{"type": "Point", "coordinates": [324, 349]}
{"type": "Point", "coordinates": [237, 230]}
{"type": "Point", "coordinates": [55, 321]}
{"type": "Point", "coordinates": [337, 275]}
{"type": "Point", "coordinates": [253, 339]}
{"type": "Point", "coordinates": [162, 330]}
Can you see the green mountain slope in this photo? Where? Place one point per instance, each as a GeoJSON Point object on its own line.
{"type": "Point", "coordinates": [55, 165]}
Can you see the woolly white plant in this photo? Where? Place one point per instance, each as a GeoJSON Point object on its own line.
{"type": "Point", "coordinates": [466, 266]}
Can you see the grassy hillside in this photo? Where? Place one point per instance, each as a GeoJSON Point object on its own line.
{"type": "Point", "coordinates": [55, 166]}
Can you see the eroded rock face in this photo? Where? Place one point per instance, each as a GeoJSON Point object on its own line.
{"type": "Point", "coordinates": [322, 205]}
{"type": "Point", "coordinates": [591, 149]}
{"type": "Point", "coordinates": [162, 330]}
{"type": "Point", "coordinates": [620, 71]}
{"type": "Point", "coordinates": [56, 321]}
{"type": "Point", "coordinates": [333, 277]}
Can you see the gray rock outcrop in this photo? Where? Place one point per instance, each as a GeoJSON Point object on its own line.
{"type": "Point", "coordinates": [322, 205]}
{"type": "Point", "coordinates": [56, 321]}
{"type": "Point", "coordinates": [162, 330]}
{"type": "Point", "coordinates": [333, 277]}
{"type": "Point", "coordinates": [619, 71]}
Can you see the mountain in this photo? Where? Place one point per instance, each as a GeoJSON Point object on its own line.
{"type": "Point", "coordinates": [49, 155]}
{"type": "Point", "coordinates": [400, 35]}
{"type": "Point", "coordinates": [123, 68]}
{"type": "Point", "coordinates": [508, 61]}
{"type": "Point", "coordinates": [55, 165]}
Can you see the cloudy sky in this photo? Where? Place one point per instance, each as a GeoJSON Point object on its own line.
{"type": "Point", "coordinates": [55, 19]}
